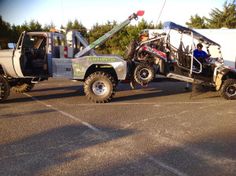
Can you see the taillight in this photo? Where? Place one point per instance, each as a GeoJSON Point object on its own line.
{"type": "Point", "coordinates": [65, 52]}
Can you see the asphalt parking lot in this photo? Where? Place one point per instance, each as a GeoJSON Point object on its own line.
{"type": "Point", "coordinates": [159, 130]}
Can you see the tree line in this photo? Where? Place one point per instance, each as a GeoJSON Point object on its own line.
{"type": "Point", "coordinates": [225, 17]}
{"type": "Point", "coordinates": [116, 45]}
{"type": "Point", "coordinates": [219, 18]}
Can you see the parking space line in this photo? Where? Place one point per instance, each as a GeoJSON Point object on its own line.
{"type": "Point", "coordinates": [194, 151]}
{"type": "Point", "coordinates": [203, 154]}
{"type": "Point", "coordinates": [159, 163]}
{"type": "Point", "coordinates": [152, 118]}
{"type": "Point", "coordinates": [64, 113]}
{"type": "Point", "coordinates": [167, 167]}
{"type": "Point", "coordinates": [156, 104]}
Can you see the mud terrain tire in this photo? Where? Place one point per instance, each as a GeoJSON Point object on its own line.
{"type": "Point", "coordinates": [99, 87]}
{"type": "Point", "coordinates": [4, 89]}
{"type": "Point", "coordinates": [144, 74]}
{"type": "Point", "coordinates": [228, 89]}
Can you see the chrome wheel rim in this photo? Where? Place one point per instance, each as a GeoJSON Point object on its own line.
{"type": "Point", "coordinates": [144, 74]}
{"type": "Point", "coordinates": [99, 88]}
{"type": "Point", "coordinates": [231, 90]}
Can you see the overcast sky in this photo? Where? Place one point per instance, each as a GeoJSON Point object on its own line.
{"type": "Point", "coordinates": [89, 12]}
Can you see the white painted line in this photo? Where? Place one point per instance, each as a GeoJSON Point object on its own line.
{"type": "Point", "coordinates": [203, 154]}
{"type": "Point", "coordinates": [152, 118]}
{"type": "Point", "coordinates": [165, 166]}
{"type": "Point", "coordinates": [64, 113]}
{"type": "Point", "coordinates": [113, 104]}
{"type": "Point", "coordinates": [156, 104]}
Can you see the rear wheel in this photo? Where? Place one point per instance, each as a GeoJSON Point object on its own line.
{"type": "Point", "coordinates": [99, 87]}
{"type": "Point", "coordinates": [228, 89]}
{"type": "Point", "coordinates": [130, 52]}
{"type": "Point", "coordinates": [4, 89]}
{"type": "Point", "coordinates": [144, 74]}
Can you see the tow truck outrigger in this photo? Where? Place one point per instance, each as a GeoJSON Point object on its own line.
{"type": "Point", "coordinates": [158, 55]}
{"type": "Point", "coordinates": [36, 57]}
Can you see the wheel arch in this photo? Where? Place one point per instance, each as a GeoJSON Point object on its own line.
{"type": "Point", "coordinates": [103, 68]}
{"type": "Point", "coordinates": [229, 75]}
{"type": "Point", "coordinates": [221, 77]}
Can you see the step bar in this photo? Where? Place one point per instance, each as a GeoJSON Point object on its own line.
{"type": "Point", "coordinates": [183, 78]}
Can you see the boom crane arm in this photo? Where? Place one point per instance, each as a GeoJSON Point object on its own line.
{"type": "Point", "coordinates": [109, 34]}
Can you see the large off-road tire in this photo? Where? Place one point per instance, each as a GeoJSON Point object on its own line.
{"type": "Point", "coordinates": [144, 74]}
{"type": "Point", "coordinates": [4, 89]}
{"type": "Point", "coordinates": [228, 89]}
{"type": "Point", "coordinates": [130, 52]}
{"type": "Point", "coordinates": [22, 87]}
{"type": "Point", "coordinates": [99, 87]}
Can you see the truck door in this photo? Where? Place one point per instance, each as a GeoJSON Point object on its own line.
{"type": "Point", "coordinates": [30, 56]}
{"type": "Point", "coordinates": [17, 56]}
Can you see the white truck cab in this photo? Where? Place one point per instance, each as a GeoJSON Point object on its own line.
{"type": "Point", "coordinates": [32, 55]}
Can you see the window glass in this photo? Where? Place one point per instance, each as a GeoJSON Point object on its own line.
{"type": "Point", "coordinates": [58, 40]}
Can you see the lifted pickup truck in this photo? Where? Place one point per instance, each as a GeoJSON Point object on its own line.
{"type": "Point", "coordinates": [36, 57]}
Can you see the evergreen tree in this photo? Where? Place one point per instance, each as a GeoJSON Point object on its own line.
{"type": "Point", "coordinates": [34, 26]}
{"type": "Point", "coordinates": [5, 33]}
{"type": "Point", "coordinates": [24, 27]}
{"type": "Point", "coordinates": [96, 32]}
{"type": "Point", "coordinates": [48, 27]}
{"type": "Point", "coordinates": [223, 18]}
{"type": "Point", "coordinates": [15, 33]}
{"type": "Point", "coordinates": [197, 22]}
{"type": "Point", "coordinates": [143, 24]}
{"type": "Point", "coordinates": [159, 25]}
{"type": "Point", "coordinates": [117, 43]}
{"type": "Point", "coordinates": [76, 25]}
{"type": "Point", "coordinates": [5, 28]}
{"type": "Point", "coordinates": [69, 25]}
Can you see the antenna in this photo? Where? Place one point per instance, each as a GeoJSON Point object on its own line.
{"type": "Point", "coordinates": [62, 13]}
{"type": "Point", "coordinates": [161, 11]}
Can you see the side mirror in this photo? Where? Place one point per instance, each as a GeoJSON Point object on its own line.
{"type": "Point", "coordinates": [11, 45]}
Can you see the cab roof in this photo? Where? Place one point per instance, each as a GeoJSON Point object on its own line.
{"type": "Point", "coordinates": [171, 25]}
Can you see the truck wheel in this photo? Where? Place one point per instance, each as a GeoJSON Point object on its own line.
{"type": "Point", "coordinates": [22, 87]}
{"type": "Point", "coordinates": [99, 87]}
{"type": "Point", "coordinates": [143, 74]}
{"type": "Point", "coordinates": [228, 89]}
{"type": "Point", "coordinates": [4, 89]}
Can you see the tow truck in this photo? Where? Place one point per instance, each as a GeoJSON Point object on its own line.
{"type": "Point", "coordinates": [37, 56]}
